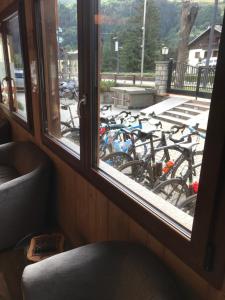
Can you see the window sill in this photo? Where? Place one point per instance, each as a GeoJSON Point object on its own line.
{"type": "Point", "coordinates": [171, 214]}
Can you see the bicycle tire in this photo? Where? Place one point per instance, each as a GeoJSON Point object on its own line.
{"type": "Point", "coordinates": [175, 196]}
{"type": "Point", "coordinates": [176, 172]}
{"type": "Point", "coordinates": [72, 134]}
{"type": "Point", "coordinates": [135, 170]}
{"type": "Point", "coordinates": [65, 126]}
{"type": "Point", "coordinates": [117, 159]}
{"type": "Point", "coordinates": [188, 205]}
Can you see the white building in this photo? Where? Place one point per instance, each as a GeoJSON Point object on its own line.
{"type": "Point", "coordinates": [199, 46]}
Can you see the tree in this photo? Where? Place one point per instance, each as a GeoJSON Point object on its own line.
{"type": "Point", "coordinates": [131, 38]}
{"type": "Point", "coordinates": [189, 12]}
{"type": "Point", "coordinates": [211, 35]}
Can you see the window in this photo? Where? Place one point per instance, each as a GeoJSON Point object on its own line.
{"type": "Point", "coordinates": [215, 53]}
{"type": "Point", "coordinates": [14, 74]}
{"type": "Point", "coordinates": [156, 155]}
{"type": "Point", "coordinates": [4, 84]}
{"type": "Point", "coordinates": [152, 153]}
{"type": "Point", "coordinates": [197, 54]}
{"type": "Point", "coordinates": [60, 48]}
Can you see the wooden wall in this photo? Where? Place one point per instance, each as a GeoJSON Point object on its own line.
{"type": "Point", "coordinates": [5, 3]}
{"type": "Point", "coordinates": [86, 215]}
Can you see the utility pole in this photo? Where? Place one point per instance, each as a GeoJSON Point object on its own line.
{"type": "Point", "coordinates": [117, 56]}
{"type": "Point", "coordinates": [115, 38]}
{"type": "Point", "coordinates": [143, 40]}
{"type": "Point", "coordinates": [211, 35]}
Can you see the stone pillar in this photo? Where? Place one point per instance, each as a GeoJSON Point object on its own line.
{"type": "Point", "coordinates": [161, 77]}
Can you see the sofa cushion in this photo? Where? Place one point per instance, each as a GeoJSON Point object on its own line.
{"type": "Point", "coordinates": [7, 174]}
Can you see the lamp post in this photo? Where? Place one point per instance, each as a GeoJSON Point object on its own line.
{"type": "Point", "coordinates": [165, 51]}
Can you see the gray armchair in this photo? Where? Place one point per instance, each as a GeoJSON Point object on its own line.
{"type": "Point", "coordinates": [24, 188]}
{"type": "Point", "coordinates": [101, 271]}
{"type": "Point", "coordinates": [5, 131]}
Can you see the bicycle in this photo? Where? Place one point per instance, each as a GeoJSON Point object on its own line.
{"type": "Point", "coordinates": [129, 140]}
{"type": "Point", "coordinates": [149, 173]}
{"type": "Point", "coordinates": [113, 132]}
{"type": "Point", "coordinates": [69, 129]}
{"type": "Point", "coordinates": [179, 189]}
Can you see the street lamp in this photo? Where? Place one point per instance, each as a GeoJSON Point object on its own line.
{"type": "Point", "coordinates": [165, 51]}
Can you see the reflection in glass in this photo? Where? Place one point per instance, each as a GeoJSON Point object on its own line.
{"type": "Point", "coordinates": [4, 84]}
{"type": "Point", "coordinates": [67, 50]}
{"type": "Point", "coordinates": [60, 44]}
{"type": "Point", "coordinates": [16, 66]}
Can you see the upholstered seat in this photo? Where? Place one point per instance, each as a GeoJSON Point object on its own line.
{"type": "Point", "coordinates": [24, 186]}
{"type": "Point", "coordinates": [101, 271]}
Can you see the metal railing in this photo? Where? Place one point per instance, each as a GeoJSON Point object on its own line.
{"type": "Point", "coordinates": [190, 80]}
{"type": "Point", "coordinates": [132, 78]}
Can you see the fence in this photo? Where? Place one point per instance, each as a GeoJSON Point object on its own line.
{"type": "Point", "coordinates": [189, 80]}
{"type": "Point", "coordinates": [132, 78]}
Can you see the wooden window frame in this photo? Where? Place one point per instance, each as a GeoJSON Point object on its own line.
{"type": "Point", "coordinates": [71, 157]}
{"type": "Point", "coordinates": [18, 7]}
{"type": "Point", "coordinates": [204, 252]}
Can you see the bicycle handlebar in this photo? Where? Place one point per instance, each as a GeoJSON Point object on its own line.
{"type": "Point", "coordinates": [152, 114]}
{"type": "Point", "coordinates": [176, 140]}
{"type": "Point", "coordinates": [175, 128]}
{"type": "Point", "coordinates": [193, 131]}
{"type": "Point", "coordinates": [127, 113]}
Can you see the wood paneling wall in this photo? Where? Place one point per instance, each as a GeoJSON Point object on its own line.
{"type": "Point", "coordinates": [5, 3]}
{"type": "Point", "coordinates": [85, 214]}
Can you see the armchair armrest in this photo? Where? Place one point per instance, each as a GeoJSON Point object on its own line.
{"type": "Point", "coordinates": [5, 153]}
{"type": "Point", "coordinates": [22, 207]}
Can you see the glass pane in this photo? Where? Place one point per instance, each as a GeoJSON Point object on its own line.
{"type": "Point", "coordinates": [4, 84]}
{"type": "Point", "coordinates": [16, 66]}
{"type": "Point", "coordinates": [61, 67]}
{"type": "Point", "coordinates": [157, 68]}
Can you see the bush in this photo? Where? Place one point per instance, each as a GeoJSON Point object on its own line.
{"type": "Point", "coordinates": [105, 85]}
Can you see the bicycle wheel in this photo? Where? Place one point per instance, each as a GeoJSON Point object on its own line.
{"type": "Point", "coordinates": [117, 159]}
{"type": "Point", "coordinates": [65, 126]}
{"type": "Point", "coordinates": [139, 149]}
{"type": "Point", "coordinates": [188, 205]}
{"type": "Point", "coordinates": [182, 167]}
{"type": "Point", "coordinates": [173, 190]}
{"type": "Point", "coordinates": [135, 170]}
{"type": "Point", "coordinates": [73, 134]}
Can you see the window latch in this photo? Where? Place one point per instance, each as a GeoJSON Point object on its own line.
{"type": "Point", "coordinates": [81, 102]}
